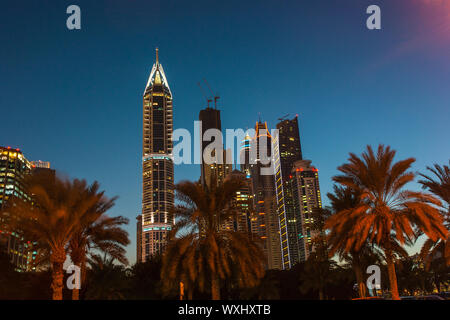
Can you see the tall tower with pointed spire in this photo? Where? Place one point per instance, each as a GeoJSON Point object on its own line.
{"type": "Point", "coordinates": [157, 164]}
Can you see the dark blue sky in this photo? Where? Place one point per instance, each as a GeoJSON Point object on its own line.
{"type": "Point", "coordinates": [74, 98]}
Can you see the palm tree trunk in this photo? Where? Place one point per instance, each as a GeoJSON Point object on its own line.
{"type": "Point", "coordinates": [182, 291]}
{"type": "Point", "coordinates": [321, 287]}
{"type": "Point", "coordinates": [75, 294]}
{"type": "Point", "coordinates": [75, 291]}
{"type": "Point", "coordinates": [57, 258]}
{"type": "Point", "coordinates": [80, 262]}
{"type": "Point", "coordinates": [215, 290]}
{"type": "Point", "coordinates": [320, 294]}
{"type": "Point", "coordinates": [359, 278]}
{"type": "Point", "coordinates": [362, 291]}
{"type": "Point", "coordinates": [392, 276]}
{"type": "Point", "coordinates": [437, 282]}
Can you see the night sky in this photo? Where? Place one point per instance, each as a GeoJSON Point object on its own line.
{"type": "Point", "coordinates": [74, 98]}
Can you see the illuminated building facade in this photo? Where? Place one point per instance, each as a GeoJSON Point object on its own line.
{"type": "Point", "coordinates": [264, 196]}
{"type": "Point", "coordinates": [245, 218]}
{"type": "Point", "coordinates": [216, 172]}
{"type": "Point", "coordinates": [245, 155]}
{"type": "Point", "coordinates": [157, 163]}
{"type": "Point", "coordinates": [139, 238]}
{"type": "Point", "coordinates": [246, 168]}
{"type": "Point", "coordinates": [40, 164]}
{"type": "Point", "coordinates": [303, 196]}
{"type": "Point", "coordinates": [290, 146]}
{"type": "Point", "coordinates": [14, 168]}
{"type": "Point", "coordinates": [287, 150]}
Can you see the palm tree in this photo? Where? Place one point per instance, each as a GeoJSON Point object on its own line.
{"type": "Point", "coordinates": [387, 212]}
{"type": "Point", "coordinates": [440, 187]}
{"type": "Point", "coordinates": [107, 280]}
{"type": "Point", "coordinates": [179, 254]}
{"type": "Point", "coordinates": [146, 279]}
{"type": "Point", "coordinates": [52, 217]}
{"type": "Point", "coordinates": [317, 274]}
{"type": "Point", "coordinates": [98, 232]}
{"type": "Point", "coordinates": [342, 236]}
{"type": "Point", "coordinates": [267, 289]}
{"type": "Point", "coordinates": [205, 253]}
{"type": "Point", "coordinates": [318, 266]}
{"type": "Point", "coordinates": [344, 201]}
{"type": "Point", "coordinates": [412, 277]}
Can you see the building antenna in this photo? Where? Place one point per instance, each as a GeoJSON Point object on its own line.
{"type": "Point", "coordinates": [157, 56]}
{"type": "Point", "coordinates": [216, 96]}
{"type": "Point", "coordinates": [283, 117]}
{"type": "Point", "coordinates": [208, 99]}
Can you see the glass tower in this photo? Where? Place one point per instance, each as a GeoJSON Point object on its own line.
{"type": "Point", "coordinates": [287, 150]}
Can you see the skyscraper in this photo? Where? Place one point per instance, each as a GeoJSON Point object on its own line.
{"type": "Point", "coordinates": [157, 163]}
{"type": "Point", "coordinates": [290, 146]}
{"type": "Point", "coordinates": [287, 150]}
{"type": "Point", "coordinates": [219, 168]}
{"type": "Point", "coordinates": [304, 192]}
{"type": "Point", "coordinates": [264, 195]}
{"type": "Point", "coordinates": [14, 168]}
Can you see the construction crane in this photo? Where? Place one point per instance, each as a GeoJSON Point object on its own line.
{"type": "Point", "coordinates": [208, 99]}
{"type": "Point", "coordinates": [283, 117]}
{"type": "Point", "coordinates": [216, 96]}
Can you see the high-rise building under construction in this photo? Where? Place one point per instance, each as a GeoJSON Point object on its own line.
{"type": "Point", "coordinates": [214, 166]}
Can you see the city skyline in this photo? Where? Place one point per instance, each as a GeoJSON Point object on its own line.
{"type": "Point", "coordinates": [99, 118]}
